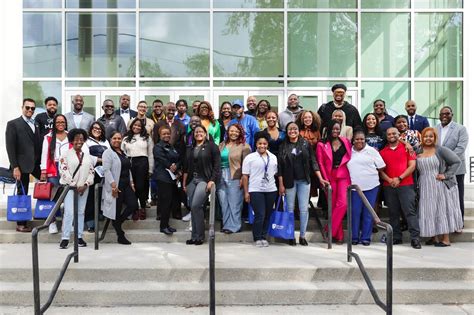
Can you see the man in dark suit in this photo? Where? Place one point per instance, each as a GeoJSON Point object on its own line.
{"type": "Point", "coordinates": [125, 111]}
{"type": "Point", "coordinates": [454, 137]}
{"type": "Point", "coordinates": [23, 142]}
{"type": "Point", "coordinates": [415, 122]}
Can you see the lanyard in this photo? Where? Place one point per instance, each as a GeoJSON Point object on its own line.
{"type": "Point", "coordinates": [265, 174]}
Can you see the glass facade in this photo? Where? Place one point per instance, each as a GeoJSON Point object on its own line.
{"type": "Point", "coordinates": [389, 49]}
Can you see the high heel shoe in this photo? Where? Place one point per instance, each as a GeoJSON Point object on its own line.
{"type": "Point", "coordinates": [292, 242]}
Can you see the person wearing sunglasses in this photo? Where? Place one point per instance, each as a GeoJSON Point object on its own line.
{"type": "Point", "coordinates": [23, 142]}
{"type": "Point", "coordinates": [111, 120]}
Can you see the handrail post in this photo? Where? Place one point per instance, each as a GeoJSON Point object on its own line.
{"type": "Point", "coordinates": [329, 198]}
{"type": "Point", "coordinates": [212, 254]}
{"type": "Point", "coordinates": [96, 216]}
{"type": "Point", "coordinates": [349, 223]}
{"type": "Point", "coordinates": [36, 284]}
{"type": "Point", "coordinates": [389, 290]}
{"type": "Point", "coordinates": [76, 225]}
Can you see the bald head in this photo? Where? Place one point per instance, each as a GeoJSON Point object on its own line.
{"type": "Point", "coordinates": [410, 107]}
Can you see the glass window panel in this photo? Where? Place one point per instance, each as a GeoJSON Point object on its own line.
{"type": "Point", "coordinates": [395, 94]}
{"type": "Point", "coordinates": [48, 4]}
{"type": "Point", "coordinates": [320, 84]}
{"type": "Point", "coordinates": [174, 4]}
{"type": "Point", "coordinates": [248, 4]}
{"type": "Point", "coordinates": [248, 44]}
{"type": "Point", "coordinates": [385, 4]}
{"type": "Point", "coordinates": [230, 98]}
{"type": "Point", "coordinates": [248, 83]}
{"type": "Point", "coordinates": [385, 44]}
{"type": "Point", "coordinates": [90, 103]}
{"type": "Point", "coordinates": [39, 90]}
{"type": "Point", "coordinates": [41, 45]}
{"type": "Point", "coordinates": [173, 83]}
{"type": "Point", "coordinates": [174, 44]}
{"type": "Point", "coordinates": [100, 83]}
{"type": "Point", "coordinates": [322, 44]}
{"type": "Point", "coordinates": [438, 45]}
{"type": "Point", "coordinates": [310, 102]}
{"type": "Point", "coordinates": [100, 44]}
{"type": "Point", "coordinates": [431, 96]}
{"type": "Point", "coordinates": [100, 4]}
{"type": "Point", "coordinates": [342, 4]}
{"type": "Point", "coordinates": [438, 4]}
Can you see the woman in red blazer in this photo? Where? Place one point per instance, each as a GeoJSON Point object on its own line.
{"type": "Point", "coordinates": [333, 153]}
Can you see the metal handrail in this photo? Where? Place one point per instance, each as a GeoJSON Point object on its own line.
{"type": "Point", "coordinates": [34, 246]}
{"type": "Point", "coordinates": [212, 252]}
{"type": "Point", "coordinates": [327, 238]}
{"type": "Point", "coordinates": [98, 239]}
{"type": "Point", "coordinates": [471, 169]}
{"type": "Point", "coordinates": [387, 306]}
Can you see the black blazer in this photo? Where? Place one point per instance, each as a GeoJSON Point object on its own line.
{"type": "Point", "coordinates": [23, 146]}
{"type": "Point", "coordinates": [133, 113]}
{"type": "Point", "coordinates": [178, 135]}
{"type": "Point", "coordinates": [286, 160]}
{"type": "Point", "coordinates": [209, 159]}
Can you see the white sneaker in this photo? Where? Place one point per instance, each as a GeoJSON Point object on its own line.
{"type": "Point", "coordinates": [187, 217]}
{"type": "Point", "coordinates": [265, 243]}
{"type": "Point", "coordinates": [53, 228]}
{"type": "Point", "coordinates": [259, 243]}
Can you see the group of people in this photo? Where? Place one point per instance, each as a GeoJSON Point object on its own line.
{"type": "Point", "coordinates": [251, 156]}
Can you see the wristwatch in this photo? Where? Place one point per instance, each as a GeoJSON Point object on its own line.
{"type": "Point", "coordinates": [400, 178]}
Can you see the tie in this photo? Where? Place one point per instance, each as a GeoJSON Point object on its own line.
{"type": "Point", "coordinates": [412, 125]}
{"type": "Point", "coordinates": [124, 111]}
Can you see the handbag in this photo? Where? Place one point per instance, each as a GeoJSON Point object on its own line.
{"type": "Point", "coordinates": [43, 190]}
{"type": "Point", "coordinates": [282, 223]}
{"type": "Point", "coordinates": [43, 208]}
{"type": "Point", "coordinates": [19, 206]}
{"type": "Point", "coordinates": [251, 214]}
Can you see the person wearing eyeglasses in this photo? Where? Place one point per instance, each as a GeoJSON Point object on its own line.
{"type": "Point", "coordinates": [111, 121]}
{"type": "Point", "coordinates": [23, 142]}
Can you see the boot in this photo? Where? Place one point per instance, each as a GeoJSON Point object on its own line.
{"type": "Point", "coordinates": [135, 215]}
{"type": "Point", "coordinates": [142, 214]}
{"type": "Point", "coordinates": [123, 240]}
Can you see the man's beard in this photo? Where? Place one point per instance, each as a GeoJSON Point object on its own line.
{"type": "Point", "coordinates": [51, 112]}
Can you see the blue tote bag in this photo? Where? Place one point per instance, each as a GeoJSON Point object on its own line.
{"type": "Point", "coordinates": [43, 208]}
{"type": "Point", "coordinates": [251, 214]}
{"type": "Point", "coordinates": [19, 206]}
{"type": "Point", "coordinates": [282, 223]}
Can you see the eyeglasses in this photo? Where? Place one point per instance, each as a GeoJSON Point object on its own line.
{"type": "Point", "coordinates": [96, 129]}
{"type": "Point", "coordinates": [32, 108]}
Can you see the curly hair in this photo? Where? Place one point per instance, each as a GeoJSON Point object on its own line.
{"type": "Point", "coordinates": [315, 125]}
{"type": "Point", "coordinates": [377, 129]}
{"type": "Point", "coordinates": [210, 116]}
{"type": "Point", "coordinates": [425, 131]}
{"type": "Point", "coordinates": [74, 132]}
{"type": "Point", "coordinates": [143, 133]}
{"type": "Point", "coordinates": [241, 138]}
{"type": "Point", "coordinates": [102, 129]}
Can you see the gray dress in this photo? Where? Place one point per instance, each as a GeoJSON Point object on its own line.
{"type": "Point", "coordinates": [439, 209]}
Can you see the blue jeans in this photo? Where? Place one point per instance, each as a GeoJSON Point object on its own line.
{"type": "Point", "coordinates": [69, 213]}
{"type": "Point", "coordinates": [231, 201]}
{"type": "Point", "coordinates": [301, 189]}
{"type": "Point", "coordinates": [262, 204]}
{"type": "Point", "coordinates": [361, 218]}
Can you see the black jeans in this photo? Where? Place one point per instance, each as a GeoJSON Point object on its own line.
{"type": "Point", "coordinates": [402, 198]}
{"type": "Point", "coordinates": [127, 197]}
{"type": "Point", "coordinates": [167, 196]}
{"type": "Point", "coordinates": [262, 204]}
{"type": "Point", "coordinates": [460, 180]}
{"type": "Point", "coordinates": [140, 178]}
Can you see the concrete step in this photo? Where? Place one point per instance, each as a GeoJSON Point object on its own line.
{"type": "Point", "coordinates": [237, 293]}
{"type": "Point", "coordinates": [366, 309]}
{"type": "Point", "coordinates": [149, 235]}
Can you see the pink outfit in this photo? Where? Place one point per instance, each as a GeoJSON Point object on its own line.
{"type": "Point", "coordinates": [339, 179]}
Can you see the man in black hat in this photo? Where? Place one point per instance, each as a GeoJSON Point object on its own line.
{"type": "Point", "coordinates": [352, 114]}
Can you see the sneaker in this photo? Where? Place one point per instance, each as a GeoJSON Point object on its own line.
{"type": "Point", "coordinates": [81, 243]}
{"type": "Point", "coordinates": [53, 228]}
{"type": "Point", "coordinates": [63, 244]}
{"type": "Point", "coordinates": [259, 243]}
{"type": "Point", "coordinates": [187, 217]}
{"type": "Point", "coordinates": [265, 243]}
